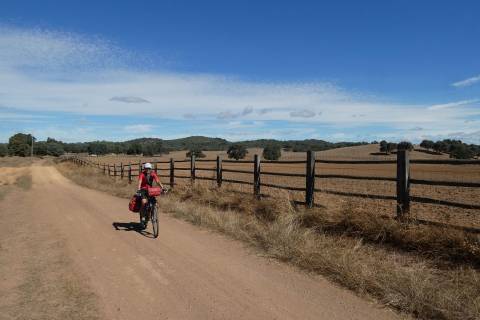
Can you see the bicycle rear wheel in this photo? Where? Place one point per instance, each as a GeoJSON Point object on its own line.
{"type": "Point", "coordinates": [155, 221]}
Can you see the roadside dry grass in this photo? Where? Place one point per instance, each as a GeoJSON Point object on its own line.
{"type": "Point", "coordinates": [12, 177]}
{"type": "Point", "coordinates": [419, 270]}
{"type": "Point", "coordinates": [16, 161]}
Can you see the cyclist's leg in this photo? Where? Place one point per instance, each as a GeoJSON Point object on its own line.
{"type": "Point", "coordinates": [148, 210]}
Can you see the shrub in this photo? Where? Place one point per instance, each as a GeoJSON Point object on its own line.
{"type": "Point", "coordinates": [427, 144]}
{"type": "Point", "coordinates": [461, 151]}
{"type": "Point", "coordinates": [405, 145]}
{"type": "Point", "coordinates": [237, 151]}
{"type": "Point", "coordinates": [3, 150]}
{"type": "Point", "coordinates": [196, 152]}
{"type": "Point", "coordinates": [272, 152]}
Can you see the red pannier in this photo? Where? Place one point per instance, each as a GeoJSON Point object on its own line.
{"type": "Point", "coordinates": [154, 191]}
{"type": "Point", "coordinates": [135, 203]}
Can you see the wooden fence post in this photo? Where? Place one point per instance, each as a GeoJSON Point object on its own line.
{"type": "Point", "coordinates": [310, 179]}
{"type": "Point", "coordinates": [104, 169]}
{"type": "Point", "coordinates": [256, 176]}
{"type": "Point", "coordinates": [139, 167]}
{"type": "Point", "coordinates": [192, 167]}
{"type": "Point", "coordinates": [109, 170]}
{"type": "Point", "coordinates": [114, 170]}
{"type": "Point", "coordinates": [121, 170]}
{"type": "Point", "coordinates": [403, 183]}
{"type": "Point", "coordinates": [219, 171]}
{"type": "Point", "coordinates": [155, 165]}
{"type": "Point", "coordinates": [172, 173]}
{"type": "Point", "coordinates": [129, 173]}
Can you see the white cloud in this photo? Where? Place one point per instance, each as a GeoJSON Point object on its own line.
{"type": "Point", "coordinates": [467, 82]}
{"type": "Point", "coordinates": [453, 104]}
{"type": "Point", "coordinates": [139, 128]}
{"type": "Point", "coordinates": [62, 72]}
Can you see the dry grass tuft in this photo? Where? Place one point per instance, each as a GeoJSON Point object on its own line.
{"type": "Point", "coordinates": [379, 258]}
{"type": "Point", "coordinates": [434, 242]}
{"type": "Point", "coordinates": [266, 210]}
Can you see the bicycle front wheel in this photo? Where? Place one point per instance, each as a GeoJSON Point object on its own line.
{"type": "Point", "coordinates": [155, 221]}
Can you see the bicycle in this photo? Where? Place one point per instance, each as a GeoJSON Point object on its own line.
{"type": "Point", "coordinates": [150, 211]}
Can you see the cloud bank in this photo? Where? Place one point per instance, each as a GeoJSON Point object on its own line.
{"type": "Point", "coordinates": [58, 72]}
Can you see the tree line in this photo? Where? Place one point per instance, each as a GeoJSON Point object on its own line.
{"type": "Point", "coordinates": [389, 147]}
{"type": "Point", "coordinates": [20, 144]}
{"type": "Point", "coordinates": [455, 148]}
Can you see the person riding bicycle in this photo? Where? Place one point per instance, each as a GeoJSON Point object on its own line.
{"type": "Point", "coordinates": [145, 180]}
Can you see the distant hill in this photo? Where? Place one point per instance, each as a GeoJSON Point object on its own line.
{"type": "Point", "coordinates": [200, 142]}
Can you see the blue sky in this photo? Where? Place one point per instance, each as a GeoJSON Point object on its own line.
{"type": "Point", "coordinates": [343, 70]}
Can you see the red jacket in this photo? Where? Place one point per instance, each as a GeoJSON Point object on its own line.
{"type": "Point", "coordinates": [147, 181]}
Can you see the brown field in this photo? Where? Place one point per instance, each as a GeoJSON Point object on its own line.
{"type": "Point", "coordinates": [440, 213]}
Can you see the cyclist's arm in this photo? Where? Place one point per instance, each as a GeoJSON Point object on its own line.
{"type": "Point", "coordinates": [157, 180]}
{"type": "Point", "coordinates": [139, 181]}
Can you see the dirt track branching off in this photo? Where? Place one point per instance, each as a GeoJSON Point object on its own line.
{"type": "Point", "coordinates": [424, 271]}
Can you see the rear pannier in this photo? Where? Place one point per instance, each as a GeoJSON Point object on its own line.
{"type": "Point", "coordinates": [135, 203]}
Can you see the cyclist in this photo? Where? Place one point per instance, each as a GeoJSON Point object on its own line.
{"type": "Point", "coordinates": [145, 180]}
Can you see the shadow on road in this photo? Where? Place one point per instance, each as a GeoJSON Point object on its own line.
{"type": "Point", "coordinates": [132, 226]}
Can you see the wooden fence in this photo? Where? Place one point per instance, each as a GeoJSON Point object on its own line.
{"type": "Point", "coordinates": [402, 179]}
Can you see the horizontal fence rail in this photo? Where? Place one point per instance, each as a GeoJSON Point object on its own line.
{"type": "Point", "coordinates": [402, 179]}
{"type": "Point", "coordinates": [357, 161]}
{"type": "Point", "coordinates": [342, 176]}
{"type": "Point", "coordinates": [446, 183]}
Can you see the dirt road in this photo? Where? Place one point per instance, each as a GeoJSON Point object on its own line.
{"type": "Point", "coordinates": [186, 273]}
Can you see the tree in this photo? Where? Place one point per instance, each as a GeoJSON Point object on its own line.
{"type": "Point", "coordinates": [439, 146]}
{"type": "Point", "coordinates": [384, 146]}
{"type": "Point", "coordinates": [237, 151]}
{"type": "Point", "coordinates": [461, 151]}
{"type": "Point", "coordinates": [97, 147]}
{"type": "Point", "coordinates": [3, 150]}
{"type": "Point", "coordinates": [405, 145]}
{"type": "Point", "coordinates": [148, 150]}
{"type": "Point", "coordinates": [391, 146]}
{"type": "Point", "coordinates": [20, 144]}
{"type": "Point", "coordinates": [196, 152]}
{"type": "Point", "coordinates": [272, 152]}
{"type": "Point", "coordinates": [40, 148]}
{"type": "Point", "coordinates": [134, 148]}
{"type": "Point", "coordinates": [427, 144]}
{"type": "Point", "coordinates": [55, 149]}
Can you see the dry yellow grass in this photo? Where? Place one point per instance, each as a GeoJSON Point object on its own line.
{"type": "Point", "coordinates": [398, 265]}
{"type": "Point", "coordinates": [440, 213]}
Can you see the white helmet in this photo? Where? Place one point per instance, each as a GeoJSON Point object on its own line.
{"type": "Point", "coordinates": [147, 165]}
